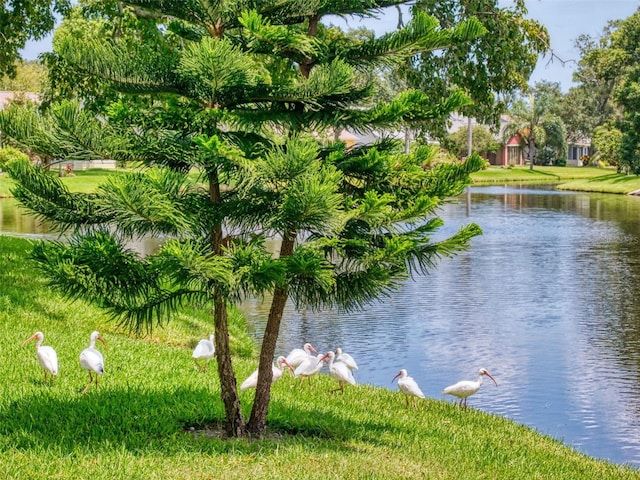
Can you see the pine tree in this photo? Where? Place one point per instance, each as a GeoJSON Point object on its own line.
{"type": "Point", "coordinates": [241, 93]}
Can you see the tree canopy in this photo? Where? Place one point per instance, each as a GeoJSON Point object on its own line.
{"type": "Point", "coordinates": [609, 78]}
{"type": "Point", "coordinates": [22, 20]}
{"type": "Point", "coordinates": [239, 94]}
{"type": "Point", "coordinates": [492, 66]}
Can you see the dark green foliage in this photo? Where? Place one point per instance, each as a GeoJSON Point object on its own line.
{"type": "Point", "coordinates": [487, 68]}
{"type": "Point", "coordinates": [226, 114]}
{"type": "Point", "coordinates": [22, 20]}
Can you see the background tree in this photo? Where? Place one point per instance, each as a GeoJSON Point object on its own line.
{"type": "Point", "coordinates": [588, 104]}
{"type": "Point", "coordinates": [489, 68]}
{"type": "Point", "coordinates": [235, 93]}
{"type": "Point", "coordinates": [607, 145]}
{"type": "Point", "coordinates": [484, 141]}
{"type": "Point", "coordinates": [542, 134]}
{"type": "Point", "coordinates": [29, 77]}
{"type": "Point", "coordinates": [624, 44]}
{"type": "Point", "coordinates": [22, 20]}
{"type": "Point", "coordinates": [608, 74]}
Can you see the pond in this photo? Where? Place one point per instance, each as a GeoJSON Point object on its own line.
{"type": "Point", "coordinates": [545, 300]}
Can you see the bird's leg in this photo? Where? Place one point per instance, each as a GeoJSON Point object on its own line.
{"type": "Point", "coordinates": [465, 403]}
{"type": "Point", "coordinates": [87, 387]}
{"type": "Point", "coordinates": [197, 364]}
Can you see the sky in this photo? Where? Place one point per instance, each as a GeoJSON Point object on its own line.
{"type": "Point", "coordinates": [565, 20]}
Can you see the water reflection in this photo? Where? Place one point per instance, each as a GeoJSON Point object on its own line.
{"type": "Point", "coordinates": [545, 300]}
{"type": "Point", "coordinates": [15, 221]}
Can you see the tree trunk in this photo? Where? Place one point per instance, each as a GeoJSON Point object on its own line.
{"type": "Point", "coordinates": [532, 150]}
{"type": "Point", "coordinates": [234, 421]}
{"type": "Point", "coordinates": [469, 137]}
{"type": "Point", "coordinates": [258, 419]}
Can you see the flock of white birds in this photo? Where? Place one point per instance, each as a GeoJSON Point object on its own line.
{"type": "Point", "coordinates": [90, 358]}
{"type": "Point", "coordinates": [304, 364]}
{"type": "Point", "coordinates": [301, 361]}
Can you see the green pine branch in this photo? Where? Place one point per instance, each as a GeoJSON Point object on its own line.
{"type": "Point", "coordinates": [49, 199]}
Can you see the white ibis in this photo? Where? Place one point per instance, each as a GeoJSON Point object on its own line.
{"type": "Point", "coordinates": [92, 361]}
{"type": "Point", "coordinates": [346, 359]}
{"type": "Point", "coordinates": [277, 369]}
{"type": "Point", "coordinates": [205, 350]}
{"type": "Point", "coordinates": [299, 355]}
{"type": "Point", "coordinates": [47, 356]}
{"type": "Point", "coordinates": [310, 367]}
{"type": "Point", "coordinates": [466, 388]}
{"type": "Point", "coordinates": [408, 386]}
{"type": "Point", "coordinates": [339, 371]}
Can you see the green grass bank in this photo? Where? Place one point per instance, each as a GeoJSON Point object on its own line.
{"type": "Point", "coordinates": [154, 415]}
{"type": "Point", "coordinates": [585, 179]}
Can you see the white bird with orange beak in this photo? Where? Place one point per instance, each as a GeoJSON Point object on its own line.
{"type": "Point", "coordinates": [47, 356]}
{"type": "Point", "coordinates": [92, 360]}
{"type": "Point", "coordinates": [408, 386]}
{"type": "Point", "coordinates": [466, 388]}
{"type": "Point", "coordinates": [277, 369]}
{"type": "Point", "coordinates": [340, 371]}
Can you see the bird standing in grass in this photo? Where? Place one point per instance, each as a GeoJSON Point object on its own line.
{"type": "Point", "coordinates": [346, 359]}
{"type": "Point", "coordinates": [309, 368]}
{"type": "Point", "coordinates": [339, 371]}
{"type": "Point", "coordinates": [299, 355]}
{"type": "Point", "coordinates": [205, 350]}
{"type": "Point", "coordinates": [466, 388]}
{"type": "Point", "coordinates": [47, 356]}
{"type": "Point", "coordinates": [92, 360]}
{"type": "Point", "coordinates": [277, 369]}
{"type": "Point", "coordinates": [408, 386]}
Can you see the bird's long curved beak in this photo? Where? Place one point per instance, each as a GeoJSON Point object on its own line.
{"type": "Point", "coordinates": [494, 380]}
{"type": "Point", "coordinates": [393, 379]}
{"type": "Point", "coordinates": [324, 358]}
{"type": "Point", "coordinates": [102, 340]}
{"type": "Point", "coordinates": [32, 337]}
{"type": "Point", "coordinates": [312, 349]}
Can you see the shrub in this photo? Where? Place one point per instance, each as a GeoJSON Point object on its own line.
{"type": "Point", "coordinates": [10, 154]}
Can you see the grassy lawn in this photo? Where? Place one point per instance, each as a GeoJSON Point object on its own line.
{"type": "Point", "coordinates": [84, 181]}
{"type": "Point", "coordinates": [538, 174]}
{"type": "Point", "coordinates": [605, 184]}
{"type": "Point", "coordinates": [155, 417]}
{"type": "Point", "coordinates": [586, 179]}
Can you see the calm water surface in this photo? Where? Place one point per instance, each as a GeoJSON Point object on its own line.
{"type": "Point", "coordinates": [545, 299]}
